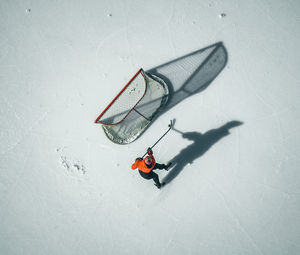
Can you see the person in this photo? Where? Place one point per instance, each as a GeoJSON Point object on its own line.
{"type": "Point", "coordinates": [146, 167]}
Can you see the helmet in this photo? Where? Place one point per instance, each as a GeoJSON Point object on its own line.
{"type": "Point", "coordinates": [148, 162]}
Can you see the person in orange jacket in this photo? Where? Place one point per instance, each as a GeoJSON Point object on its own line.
{"type": "Point", "coordinates": [146, 167]}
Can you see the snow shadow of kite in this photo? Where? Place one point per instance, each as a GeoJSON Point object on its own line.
{"type": "Point", "coordinates": [192, 73]}
{"type": "Point", "coordinates": [201, 144]}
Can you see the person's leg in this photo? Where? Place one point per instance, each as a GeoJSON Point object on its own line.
{"type": "Point", "coordinates": [162, 166]}
{"type": "Point", "coordinates": [153, 176]}
{"type": "Point", "coordinates": [156, 179]}
{"type": "Point", "coordinates": [159, 166]}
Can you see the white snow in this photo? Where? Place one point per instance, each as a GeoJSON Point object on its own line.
{"type": "Point", "coordinates": [66, 189]}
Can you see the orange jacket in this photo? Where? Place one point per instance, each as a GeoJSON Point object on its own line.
{"type": "Point", "coordinates": [141, 165]}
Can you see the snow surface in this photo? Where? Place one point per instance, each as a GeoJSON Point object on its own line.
{"type": "Point", "coordinates": [66, 189]}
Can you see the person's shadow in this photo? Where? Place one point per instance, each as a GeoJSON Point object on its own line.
{"type": "Point", "coordinates": [201, 144]}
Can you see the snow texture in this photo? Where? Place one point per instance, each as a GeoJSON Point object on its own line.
{"type": "Point", "coordinates": [234, 187]}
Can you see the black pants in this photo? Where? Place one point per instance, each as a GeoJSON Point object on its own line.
{"type": "Point", "coordinates": [152, 175]}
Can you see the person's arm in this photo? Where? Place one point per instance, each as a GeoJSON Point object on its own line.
{"type": "Point", "coordinates": [149, 151]}
{"type": "Point", "coordinates": [135, 164]}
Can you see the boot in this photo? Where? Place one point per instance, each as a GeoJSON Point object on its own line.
{"type": "Point", "coordinates": [167, 166]}
{"type": "Point", "coordinates": [160, 185]}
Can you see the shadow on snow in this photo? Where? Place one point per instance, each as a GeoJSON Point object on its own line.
{"type": "Point", "coordinates": [192, 73]}
{"type": "Point", "coordinates": [201, 144]}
